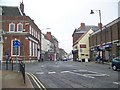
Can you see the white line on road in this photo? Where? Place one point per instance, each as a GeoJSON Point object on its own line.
{"type": "Point", "coordinates": [82, 75]}
{"type": "Point", "coordinates": [96, 74]}
{"type": "Point", "coordinates": [40, 73]}
{"type": "Point", "coordinates": [51, 72]}
{"type": "Point", "coordinates": [116, 83]}
{"type": "Point", "coordinates": [64, 71]}
{"type": "Point", "coordinates": [80, 70]}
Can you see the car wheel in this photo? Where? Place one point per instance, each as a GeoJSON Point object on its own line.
{"type": "Point", "coordinates": [114, 67]}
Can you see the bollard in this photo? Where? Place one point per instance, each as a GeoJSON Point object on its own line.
{"type": "Point", "coordinates": [12, 65]}
{"type": "Point", "coordinates": [6, 64]}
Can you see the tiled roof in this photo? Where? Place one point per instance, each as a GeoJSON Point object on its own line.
{"type": "Point", "coordinates": [10, 11]}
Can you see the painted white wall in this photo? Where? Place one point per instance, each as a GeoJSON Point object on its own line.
{"type": "Point", "coordinates": [45, 44]}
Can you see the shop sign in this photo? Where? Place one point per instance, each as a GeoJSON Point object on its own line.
{"type": "Point", "coordinates": [82, 45]}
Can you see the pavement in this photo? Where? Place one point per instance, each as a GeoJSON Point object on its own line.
{"type": "Point", "coordinates": [13, 79]}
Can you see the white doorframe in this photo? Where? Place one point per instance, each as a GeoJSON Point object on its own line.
{"type": "Point", "coordinates": [1, 51]}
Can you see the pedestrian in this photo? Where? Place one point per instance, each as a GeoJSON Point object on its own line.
{"type": "Point", "coordinates": [42, 59]}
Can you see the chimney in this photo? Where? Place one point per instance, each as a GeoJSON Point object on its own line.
{"type": "Point", "coordinates": [22, 7]}
{"type": "Point", "coordinates": [82, 24]}
{"type": "Point", "coordinates": [49, 36]}
{"type": "Point", "coordinates": [99, 25]}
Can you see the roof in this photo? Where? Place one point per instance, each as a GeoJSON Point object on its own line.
{"type": "Point", "coordinates": [82, 30]}
{"type": "Point", "coordinates": [86, 28]}
{"type": "Point", "coordinates": [11, 11]}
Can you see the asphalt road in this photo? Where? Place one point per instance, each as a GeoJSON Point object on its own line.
{"type": "Point", "coordinates": [70, 74]}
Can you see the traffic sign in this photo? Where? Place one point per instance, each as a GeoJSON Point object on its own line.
{"type": "Point", "coordinates": [16, 43]}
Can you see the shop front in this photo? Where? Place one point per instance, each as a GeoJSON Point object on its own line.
{"type": "Point", "coordinates": [75, 54]}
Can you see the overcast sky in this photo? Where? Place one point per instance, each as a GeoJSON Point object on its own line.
{"type": "Point", "coordinates": [63, 16]}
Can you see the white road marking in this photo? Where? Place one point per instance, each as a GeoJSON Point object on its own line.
{"type": "Point", "coordinates": [80, 70]}
{"type": "Point", "coordinates": [51, 72]}
{"type": "Point", "coordinates": [92, 72]}
{"type": "Point", "coordinates": [64, 71]}
{"type": "Point", "coordinates": [96, 74]}
{"type": "Point", "coordinates": [40, 73]}
{"type": "Point", "coordinates": [82, 75]}
{"type": "Point", "coordinates": [116, 83]}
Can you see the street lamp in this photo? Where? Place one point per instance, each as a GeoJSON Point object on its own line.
{"type": "Point", "coordinates": [92, 12]}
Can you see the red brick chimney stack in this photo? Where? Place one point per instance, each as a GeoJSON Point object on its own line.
{"type": "Point", "coordinates": [49, 36]}
{"type": "Point", "coordinates": [100, 25]}
{"type": "Point", "coordinates": [82, 25]}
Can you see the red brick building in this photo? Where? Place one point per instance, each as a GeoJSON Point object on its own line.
{"type": "Point", "coordinates": [18, 26]}
{"type": "Point", "coordinates": [110, 44]}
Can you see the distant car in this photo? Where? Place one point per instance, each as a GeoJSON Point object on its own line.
{"type": "Point", "coordinates": [116, 63]}
{"type": "Point", "coordinates": [64, 59]}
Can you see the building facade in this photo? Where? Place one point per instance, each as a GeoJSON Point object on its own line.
{"type": "Point", "coordinates": [19, 27]}
{"type": "Point", "coordinates": [53, 51]}
{"type": "Point", "coordinates": [110, 45]}
{"type": "Point", "coordinates": [1, 36]}
{"type": "Point", "coordinates": [81, 41]}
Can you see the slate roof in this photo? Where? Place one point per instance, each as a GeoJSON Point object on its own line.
{"type": "Point", "coordinates": [11, 11]}
{"type": "Point", "coordinates": [86, 28]}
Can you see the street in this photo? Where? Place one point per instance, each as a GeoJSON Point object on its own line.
{"type": "Point", "coordinates": [70, 74]}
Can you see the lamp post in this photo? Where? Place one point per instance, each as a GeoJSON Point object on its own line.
{"type": "Point", "coordinates": [99, 11]}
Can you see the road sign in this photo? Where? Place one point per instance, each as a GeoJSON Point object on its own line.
{"type": "Point", "coordinates": [16, 43]}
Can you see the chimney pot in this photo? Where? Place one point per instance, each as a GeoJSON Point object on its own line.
{"type": "Point", "coordinates": [100, 25]}
{"type": "Point", "coordinates": [82, 24]}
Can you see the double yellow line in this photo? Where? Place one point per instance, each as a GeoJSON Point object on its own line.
{"type": "Point", "coordinates": [37, 82]}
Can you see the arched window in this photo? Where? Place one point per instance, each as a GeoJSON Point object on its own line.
{"type": "Point", "coordinates": [19, 27]}
{"type": "Point", "coordinates": [11, 27]}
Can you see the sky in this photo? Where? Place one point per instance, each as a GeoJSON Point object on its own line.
{"type": "Point", "coordinates": [63, 16]}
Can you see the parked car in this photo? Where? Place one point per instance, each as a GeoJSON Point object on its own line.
{"type": "Point", "coordinates": [116, 63]}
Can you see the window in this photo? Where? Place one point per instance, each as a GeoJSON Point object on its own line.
{"type": "Point", "coordinates": [20, 27]}
{"type": "Point", "coordinates": [11, 27]}
{"type": "Point", "coordinates": [15, 50]}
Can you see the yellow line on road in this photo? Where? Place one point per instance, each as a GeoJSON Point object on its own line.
{"type": "Point", "coordinates": [39, 82]}
{"type": "Point", "coordinates": [35, 81]}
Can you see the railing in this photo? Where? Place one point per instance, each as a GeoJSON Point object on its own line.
{"type": "Point", "coordinates": [22, 69]}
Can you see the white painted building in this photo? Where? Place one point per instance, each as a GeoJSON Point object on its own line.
{"type": "Point", "coordinates": [45, 46]}
{"type": "Point", "coordinates": [1, 38]}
